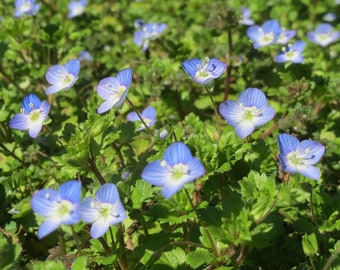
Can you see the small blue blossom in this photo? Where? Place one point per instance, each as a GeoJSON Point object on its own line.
{"type": "Point", "coordinates": [264, 35]}
{"type": "Point", "coordinates": [329, 17]}
{"type": "Point", "coordinates": [291, 53]}
{"type": "Point", "coordinates": [203, 71]}
{"type": "Point", "coordinates": [114, 90]}
{"type": "Point", "coordinates": [285, 36]}
{"type": "Point", "coordinates": [250, 111]}
{"type": "Point", "coordinates": [148, 115]}
{"type": "Point", "coordinates": [163, 134]}
{"type": "Point", "coordinates": [57, 207]}
{"type": "Point", "coordinates": [177, 168]}
{"type": "Point", "coordinates": [32, 115]}
{"type": "Point", "coordinates": [26, 7]}
{"type": "Point", "coordinates": [85, 56]}
{"type": "Point", "coordinates": [147, 32]}
{"type": "Point", "coordinates": [298, 157]}
{"type": "Point", "coordinates": [245, 17]}
{"type": "Point", "coordinates": [104, 210]}
{"type": "Point", "coordinates": [62, 77]}
{"type": "Point", "coordinates": [323, 35]}
{"type": "Point", "coordinates": [76, 8]}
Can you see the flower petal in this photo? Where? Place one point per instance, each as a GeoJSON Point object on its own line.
{"type": "Point", "coordinates": [19, 121]}
{"type": "Point", "coordinates": [87, 210]}
{"type": "Point", "coordinates": [55, 74]}
{"type": "Point", "coordinates": [155, 174]}
{"type": "Point", "coordinates": [231, 112]}
{"type": "Point", "coordinates": [253, 97]}
{"type": "Point", "coordinates": [267, 114]}
{"type": "Point", "coordinates": [30, 103]}
{"type": "Point", "coordinates": [171, 188]}
{"type": "Point", "coordinates": [310, 171]}
{"type": "Point", "coordinates": [176, 153]}
{"type": "Point", "coordinates": [99, 228]}
{"type": "Point", "coordinates": [107, 87]}
{"type": "Point", "coordinates": [196, 169]}
{"type": "Point", "coordinates": [149, 113]}
{"type": "Point", "coordinates": [315, 150]}
{"type": "Point", "coordinates": [132, 116]}
{"type": "Point", "coordinates": [125, 77]}
{"type": "Point", "coordinates": [73, 66]}
{"type": "Point", "coordinates": [244, 128]}
{"type": "Point", "coordinates": [70, 191]}
{"type": "Point", "coordinates": [44, 201]}
{"type": "Point", "coordinates": [191, 66]}
{"type": "Point", "coordinates": [107, 193]}
{"type": "Point", "coordinates": [287, 143]}
{"type": "Point", "coordinates": [48, 226]}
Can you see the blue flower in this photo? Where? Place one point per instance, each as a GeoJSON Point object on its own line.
{"type": "Point", "coordinates": [26, 7]}
{"type": "Point", "coordinates": [329, 17]}
{"type": "Point", "coordinates": [57, 207]}
{"type": "Point", "coordinates": [204, 71]}
{"type": "Point", "coordinates": [250, 111]}
{"type": "Point", "coordinates": [323, 35]}
{"type": "Point", "coordinates": [266, 35]}
{"type": "Point", "coordinates": [177, 168]}
{"type": "Point", "coordinates": [104, 210]}
{"type": "Point", "coordinates": [76, 8]}
{"type": "Point", "coordinates": [114, 90]}
{"type": "Point", "coordinates": [62, 77]}
{"type": "Point", "coordinates": [285, 36]}
{"type": "Point", "coordinates": [298, 157]}
{"type": "Point", "coordinates": [147, 32]}
{"type": "Point", "coordinates": [291, 53]}
{"type": "Point", "coordinates": [32, 115]}
{"type": "Point", "coordinates": [148, 115]}
{"type": "Point", "coordinates": [85, 56]}
{"type": "Point", "coordinates": [245, 17]}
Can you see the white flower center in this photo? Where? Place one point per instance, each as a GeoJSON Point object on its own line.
{"type": "Point", "coordinates": [249, 113]}
{"type": "Point", "coordinates": [106, 210]}
{"type": "Point", "coordinates": [299, 159]}
{"type": "Point", "coordinates": [178, 171]}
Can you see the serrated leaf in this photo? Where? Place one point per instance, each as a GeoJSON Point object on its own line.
{"type": "Point", "coordinates": [199, 257]}
{"type": "Point", "coordinates": [140, 193]}
{"type": "Point", "coordinates": [310, 244]}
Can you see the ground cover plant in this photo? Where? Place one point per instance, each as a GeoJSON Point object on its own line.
{"type": "Point", "coordinates": [169, 134]}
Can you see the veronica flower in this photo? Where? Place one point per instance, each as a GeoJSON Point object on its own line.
{"type": "Point", "coordinates": [147, 32]}
{"type": "Point", "coordinates": [249, 112]}
{"type": "Point", "coordinates": [26, 7]}
{"type": "Point", "coordinates": [85, 56]}
{"type": "Point", "coordinates": [264, 35]}
{"type": "Point", "coordinates": [176, 168]}
{"type": "Point", "coordinates": [204, 71]}
{"type": "Point", "coordinates": [62, 77]}
{"type": "Point", "coordinates": [114, 90]}
{"type": "Point", "coordinates": [298, 157]}
{"type": "Point", "coordinates": [329, 17]}
{"type": "Point", "coordinates": [245, 17]}
{"type": "Point", "coordinates": [76, 8]}
{"type": "Point", "coordinates": [323, 35]}
{"type": "Point", "coordinates": [57, 206]}
{"type": "Point", "coordinates": [285, 36]}
{"type": "Point", "coordinates": [148, 115]}
{"type": "Point", "coordinates": [102, 211]}
{"type": "Point", "coordinates": [291, 53]}
{"type": "Point", "coordinates": [32, 115]}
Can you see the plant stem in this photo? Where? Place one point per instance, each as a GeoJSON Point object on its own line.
{"type": "Point", "coordinates": [93, 166]}
{"type": "Point", "coordinates": [213, 103]}
{"type": "Point", "coordinates": [139, 116]}
{"type": "Point", "coordinates": [203, 225]}
{"type": "Point", "coordinates": [105, 246]}
{"type": "Point", "coordinates": [123, 259]}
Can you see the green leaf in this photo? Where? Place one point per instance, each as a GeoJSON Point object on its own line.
{"type": "Point", "coordinates": [310, 244]}
{"type": "Point", "coordinates": [141, 192]}
{"type": "Point", "coordinates": [199, 257]}
{"type": "Point", "coordinates": [80, 263]}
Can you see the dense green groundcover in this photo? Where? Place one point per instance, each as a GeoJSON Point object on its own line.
{"type": "Point", "coordinates": [245, 212]}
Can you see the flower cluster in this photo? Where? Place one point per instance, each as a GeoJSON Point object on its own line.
{"type": "Point", "coordinates": [64, 207]}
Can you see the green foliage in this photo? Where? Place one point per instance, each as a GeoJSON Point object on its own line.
{"type": "Point", "coordinates": [244, 212]}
